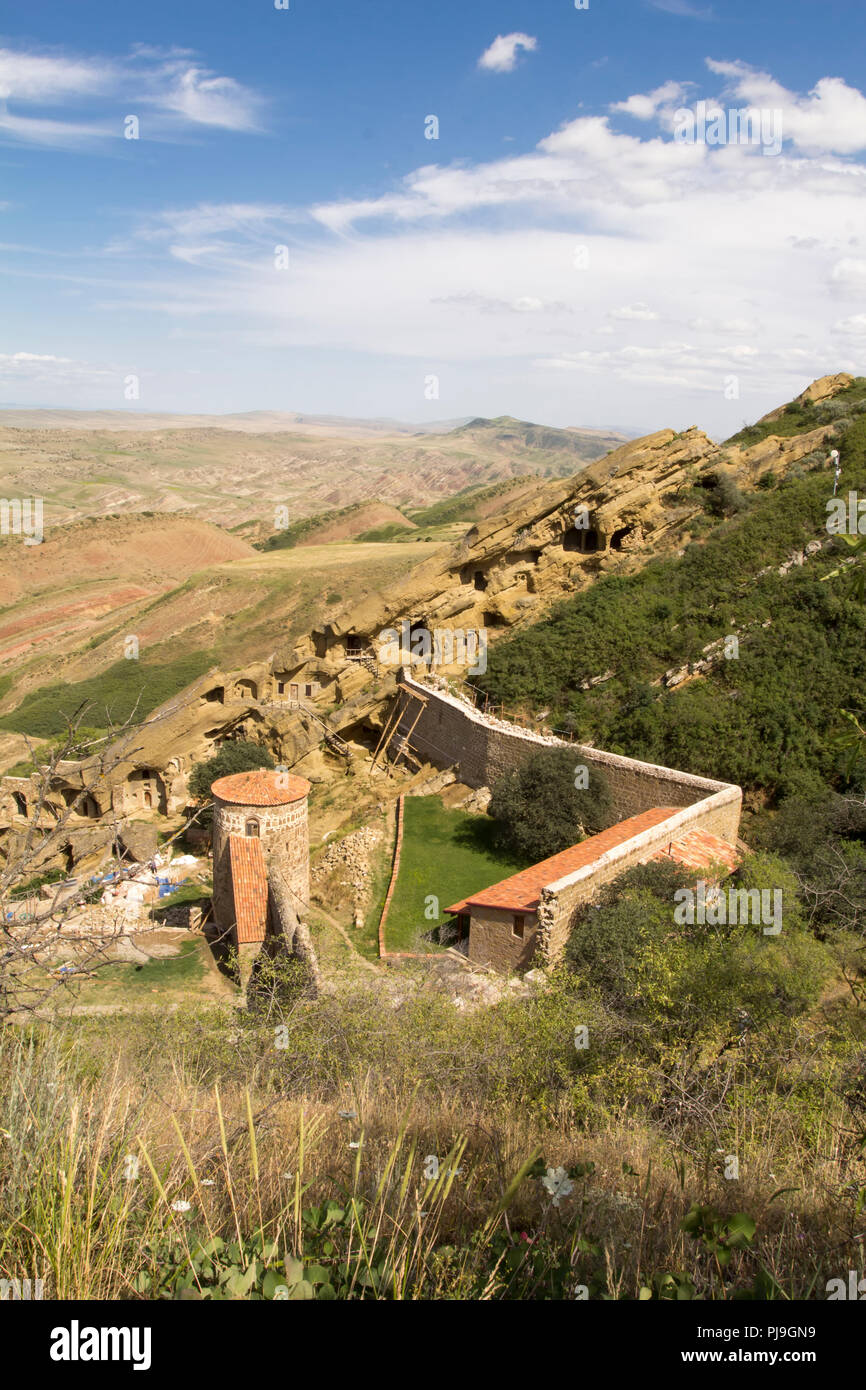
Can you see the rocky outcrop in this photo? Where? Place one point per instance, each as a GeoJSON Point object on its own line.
{"type": "Point", "coordinates": [821, 390]}
{"type": "Point", "coordinates": [140, 840]}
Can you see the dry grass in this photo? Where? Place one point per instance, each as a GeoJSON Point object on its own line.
{"type": "Point", "coordinates": [101, 1137]}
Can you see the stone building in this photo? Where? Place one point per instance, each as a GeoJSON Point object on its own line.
{"type": "Point", "coordinates": [533, 911]}
{"type": "Point", "coordinates": [261, 859]}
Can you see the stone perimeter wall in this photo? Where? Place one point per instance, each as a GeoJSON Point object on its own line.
{"type": "Point", "coordinates": [452, 733]}
{"type": "Point", "coordinates": [491, 941]}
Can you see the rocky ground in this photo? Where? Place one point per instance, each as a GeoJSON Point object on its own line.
{"type": "Point", "coordinates": [346, 869]}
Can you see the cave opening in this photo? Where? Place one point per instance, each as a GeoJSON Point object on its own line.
{"type": "Point", "coordinates": [616, 540]}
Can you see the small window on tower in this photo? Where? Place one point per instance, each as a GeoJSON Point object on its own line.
{"type": "Point", "coordinates": [251, 828]}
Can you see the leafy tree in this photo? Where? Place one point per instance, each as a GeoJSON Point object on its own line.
{"type": "Point", "coordinates": [233, 757]}
{"type": "Point", "coordinates": [543, 808]}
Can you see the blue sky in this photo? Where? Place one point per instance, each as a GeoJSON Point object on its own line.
{"type": "Point", "coordinates": [564, 251]}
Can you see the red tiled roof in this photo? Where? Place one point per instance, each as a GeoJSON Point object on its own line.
{"type": "Point", "coordinates": [250, 887]}
{"type": "Point", "coordinates": [522, 892]}
{"type": "Point", "coordinates": [261, 787]}
{"type": "Point", "coordinates": [698, 849]}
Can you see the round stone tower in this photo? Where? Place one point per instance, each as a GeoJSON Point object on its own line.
{"type": "Point", "coordinates": [270, 807]}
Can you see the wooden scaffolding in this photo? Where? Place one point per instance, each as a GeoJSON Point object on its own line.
{"type": "Point", "coordinates": [392, 725]}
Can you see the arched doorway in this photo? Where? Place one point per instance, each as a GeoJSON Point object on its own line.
{"type": "Point", "coordinates": [584, 540]}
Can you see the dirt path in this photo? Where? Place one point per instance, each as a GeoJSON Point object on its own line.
{"type": "Point", "coordinates": [332, 921]}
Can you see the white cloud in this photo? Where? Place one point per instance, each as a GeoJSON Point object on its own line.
{"type": "Point", "coordinates": [688, 274]}
{"type": "Point", "coordinates": [501, 56]}
{"type": "Point", "coordinates": [644, 106]}
{"type": "Point", "coordinates": [212, 219]}
{"type": "Point", "coordinates": [830, 119]}
{"type": "Point", "coordinates": [37, 77]}
{"type": "Point", "coordinates": [850, 274]}
{"type": "Point", "coordinates": [7, 357]}
{"type": "Point", "coordinates": [37, 131]}
{"type": "Point", "coordinates": [641, 313]}
{"type": "Point", "coordinates": [208, 100]}
{"type": "Point", "coordinates": [35, 375]}
{"type": "Point", "coordinates": [168, 87]}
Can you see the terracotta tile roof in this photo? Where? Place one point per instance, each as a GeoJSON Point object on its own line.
{"type": "Point", "coordinates": [250, 887]}
{"type": "Point", "coordinates": [261, 787]}
{"type": "Point", "coordinates": [522, 892]}
{"type": "Point", "coordinates": [700, 850]}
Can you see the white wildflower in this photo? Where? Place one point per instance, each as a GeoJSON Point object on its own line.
{"type": "Point", "coordinates": [558, 1184]}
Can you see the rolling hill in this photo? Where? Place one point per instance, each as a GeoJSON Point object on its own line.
{"type": "Point", "coordinates": [231, 477]}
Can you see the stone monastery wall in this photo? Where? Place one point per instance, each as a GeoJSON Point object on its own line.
{"type": "Point", "coordinates": [452, 733]}
{"type": "Point", "coordinates": [561, 901]}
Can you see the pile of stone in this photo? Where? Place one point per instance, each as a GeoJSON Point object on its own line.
{"type": "Point", "coordinates": [799, 557]}
{"type": "Point", "coordinates": [348, 862]}
{"type": "Point", "coordinates": [476, 802]}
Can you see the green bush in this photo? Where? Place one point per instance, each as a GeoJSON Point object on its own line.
{"type": "Point", "coordinates": [698, 978]}
{"type": "Point", "coordinates": [542, 808]}
{"type": "Point", "coordinates": [725, 498]}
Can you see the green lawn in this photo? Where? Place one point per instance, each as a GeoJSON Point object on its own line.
{"type": "Point", "coordinates": [446, 855]}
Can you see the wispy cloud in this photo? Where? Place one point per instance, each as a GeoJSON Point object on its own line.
{"type": "Point", "coordinates": [203, 98]}
{"type": "Point", "coordinates": [502, 54]}
{"type": "Point", "coordinates": [645, 105]}
{"type": "Point", "coordinates": [684, 8]}
{"type": "Point", "coordinates": [60, 100]}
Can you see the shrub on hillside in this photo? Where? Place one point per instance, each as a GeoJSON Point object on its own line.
{"type": "Point", "coordinates": [232, 757]}
{"type": "Point", "coordinates": [725, 498]}
{"type": "Point", "coordinates": [542, 808]}
{"type": "Point", "coordinates": [699, 978]}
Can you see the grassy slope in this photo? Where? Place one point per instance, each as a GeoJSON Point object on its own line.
{"type": "Point", "coordinates": [111, 698]}
{"type": "Point", "coordinates": [127, 983]}
{"type": "Point", "coordinates": [227, 616]}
